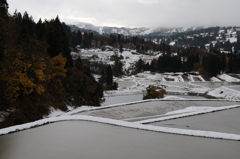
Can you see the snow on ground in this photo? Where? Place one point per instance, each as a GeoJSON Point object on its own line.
{"type": "Point", "coordinates": [194, 88]}
{"type": "Point", "coordinates": [130, 57]}
{"type": "Point", "coordinates": [214, 79]}
{"type": "Point", "coordinates": [173, 98]}
{"type": "Point", "coordinates": [172, 82]}
{"type": "Point", "coordinates": [225, 92]}
{"type": "Point", "coordinates": [228, 78]}
{"type": "Point", "coordinates": [197, 133]}
{"type": "Point", "coordinates": [71, 110]}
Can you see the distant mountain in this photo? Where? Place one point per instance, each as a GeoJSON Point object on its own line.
{"type": "Point", "coordinates": [109, 30]}
{"type": "Point", "coordinates": [132, 31]}
{"type": "Point", "coordinates": [75, 28]}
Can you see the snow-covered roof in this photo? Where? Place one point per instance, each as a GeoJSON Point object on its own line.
{"type": "Point", "coordinates": [232, 40]}
{"type": "Point", "coordinates": [172, 43]}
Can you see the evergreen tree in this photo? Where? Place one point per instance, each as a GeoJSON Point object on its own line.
{"type": "Point", "coordinates": [86, 41]}
{"type": "Point", "coordinates": [17, 16]}
{"type": "Point", "coordinates": [79, 38]}
{"type": "Point", "coordinates": [3, 7]}
{"type": "Point", "coordinates": [109, 75]}
{"type": "Point", "coordinates": [117, 68]}
{"type": "Point", "coordinates": [40, 29]}
{"type": "Point", "coordinates": [223, 62]}
{"type": "Point", "coordinates": [211, 64]}
{"type": "Point", "coordinates": [147, 67]}
{"type": "Point", "coordinates": [153, 65]}
{"type": "Point", "coordinates": [27, 25]}
{"type": "Point", "coordinates": [174, 65]}
{"type": "Point", "coordinates": [120, 48]}
{"type": "Point", "coordinates": [140, 66]}
{"type": "Point", "coordinates": [57, 40]}
{"type": "Point", "coordinates": [190, 62]}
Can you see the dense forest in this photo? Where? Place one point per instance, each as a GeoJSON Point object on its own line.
{"type": "Point", "coordinates": [37, 71]}
{"type": "Point", "coordinates": [207, 63]}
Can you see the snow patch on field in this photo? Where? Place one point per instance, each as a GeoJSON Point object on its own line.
{"type": "Point", "coordinates": [173, 98]}
{"type": "Point", "coordinates": [225, 92]}
{"type": "Point", "coordinates": [195, 88]}
{"type": "Point", "coordinates": [71, 110]}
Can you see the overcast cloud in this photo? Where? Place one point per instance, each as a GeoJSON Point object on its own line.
{"type": "Point", "coordinates": [134, 13]}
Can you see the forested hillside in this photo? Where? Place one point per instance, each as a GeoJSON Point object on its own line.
{"type": "Point", "coordinates": [37, 71]}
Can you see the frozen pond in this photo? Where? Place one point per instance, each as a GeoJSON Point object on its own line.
{"type": "Point", "coordinates": [89, 140]}
{"type": "Point", "coordinates": [187, 97]}
{"type": "Point", "coordinates": [117, 99]}
{"type": "Point", "coordinates": [216, 84]}
{"type": "Point", "coordinates": [226, 121]}
{"type": "Point", "coordinates": [204, 84]}
{"type": "Point", "coordinates": [122, 99]}
{"type": "Point", "coordinates": [237, 87]}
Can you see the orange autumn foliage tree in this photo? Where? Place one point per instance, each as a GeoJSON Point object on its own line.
{"type": "Point", "coordinates": [56, 67]}
{"type": "Point", "coordinates": [23, 73]}
{"type": "Point", "coordinates": [22, 63]}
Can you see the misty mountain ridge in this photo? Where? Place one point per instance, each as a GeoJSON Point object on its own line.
{"type": "Point", "coordinates": [132, 31]}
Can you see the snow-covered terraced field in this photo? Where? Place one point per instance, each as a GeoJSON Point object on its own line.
{"type": "Point", "coordinates": [151, 108]}
{"type": "Point", "coordinates": [117, 139]}
{"type": "Point", "coordinates": [177, 85]}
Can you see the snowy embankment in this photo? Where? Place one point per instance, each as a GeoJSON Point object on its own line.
{"type": "Point", "coordinates": [186, 113]}
{"type": "Point", "coordinates": [225, 93]}
{"type": "Point", "coordinates": [195, 78]}
{"type": "Point", "coordinates": [228, 78]}
{"type": "Point", "coordinates": [214, 79]}
{"type": "Point", "coordinates": [197, 133]}
{"type": "Point", "coordinates": [194, 88]}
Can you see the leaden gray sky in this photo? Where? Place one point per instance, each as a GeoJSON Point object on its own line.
{"type": "Point", "coordinates": [134, 13]}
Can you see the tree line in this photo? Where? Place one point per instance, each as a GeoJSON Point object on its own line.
{"type": "Point", "coordinates": [208, 63]}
